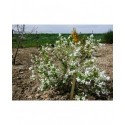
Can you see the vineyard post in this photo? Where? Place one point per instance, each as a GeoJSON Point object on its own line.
{"type": "Point", "coordinates": [73, 86]}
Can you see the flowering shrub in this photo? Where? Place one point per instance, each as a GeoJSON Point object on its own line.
{"type": "Point", "coordinates": [57, 67]}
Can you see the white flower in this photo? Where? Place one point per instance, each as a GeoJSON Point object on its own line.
{"type": "Point", "coordinates": [79, 43]}
{"type": "Point", "coordinates": [101, 84]}
{"type": "Point", "coordinates": [57, 42]}
{"type": "Point", "coordinates": [86, 72]}
{"type": "Point", "coordinates": [97, 92]}
{"type": "Point", "coordinates": [78, 79]}
{"type": "Point", "coordinates": [69, 37]}
{"type": "Point", "coordinates": [87, 82]}
{"type": "Point", "coordinates": [64, 81]}
{"type": "Point", "coordinates": [33, 71]}
{"type": "Point", "coordinates": [83, 98]}
{"type": "Point", "coordinates": [30, 68]}
{"type": "Point", "coordinates": [42, 80]}
{"type": "Point", "coordinates": [104, 91]}
{"type": "Point", "coordinates": [75, 53]}
{"type": "Point", "coordinates": [32, 60]}
{"type": "Point", "coordinates": [78, 49]}
{"type": "Point", "coordinates": [72, 45]}
{"type": "Point", "coordinates": [52, 67]}
{"type": "Point", "coordinates": [102, 74]}
{"type": "Point", "coordinates": [92, 60]}
{"type": "Point", "coordinates": [71, 72]}
{"type": "Point", "coordinates": [65, 42]}
{"type": "Point", "coordinates": [59, 34]}
{"type": "Point", "coordinates": [77, 97]}
{"type": "Point", "coordinates": [83, 81]}
{"type": "Point", "coordinates": [97, 80]}
{"type": "Point", "coordinates": [49, 73]}
{"type": "Point", "coordinates": [72, 63]}
{"type": "Point", "coordinates": [91, 36]}
{"type": "Point", "coordinates": [61, 39]}
{"type": "Point", "coordinates": [32, 77]}
{"type": "Point", "coordinates": [41, 87]}
{"type": "Point", "coordinates": [108, 78]}
{"type": "Point", "coordinates": [66, 76]}
{"type": "Point", "coordinates": [99, 40]}
{"type": "Point", "coordinates": [48, 48]}
{"type": "Point", "coordinates": [71, 54]}
{"type": "Point", "coordinates": [48, 82]}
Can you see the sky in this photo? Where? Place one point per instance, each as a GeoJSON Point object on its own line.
{"type": "Point", "coordinates": [68, 28]}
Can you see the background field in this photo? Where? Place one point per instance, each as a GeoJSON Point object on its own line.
{"type": "Point", "coordinates": [35, 40]}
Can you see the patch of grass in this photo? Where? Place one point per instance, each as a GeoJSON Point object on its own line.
{"type": "Point", "coordinates": [34, 40]}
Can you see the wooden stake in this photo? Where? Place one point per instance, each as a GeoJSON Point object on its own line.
{"type": "Point", "coordinates": [73, 87]}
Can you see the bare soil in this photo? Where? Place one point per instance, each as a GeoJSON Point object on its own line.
{"type": "Point", "coordinates": [25, 89]}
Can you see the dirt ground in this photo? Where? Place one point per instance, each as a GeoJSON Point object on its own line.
{"type": "Point", "coordinates": [24, 89]}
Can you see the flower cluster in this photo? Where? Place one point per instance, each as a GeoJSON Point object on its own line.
{"type": "Point", "coordinates": [55, 66]}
